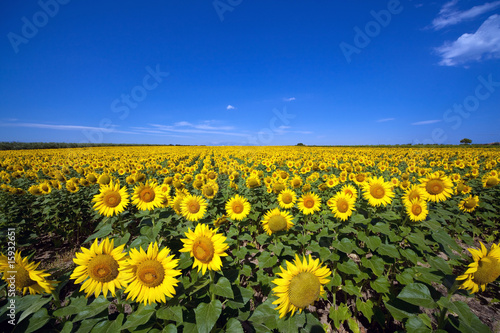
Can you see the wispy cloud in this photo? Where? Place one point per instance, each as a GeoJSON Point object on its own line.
{"type": "Point", "coordinates": [112, 128]}
{"type": "Point", "coordinates": [448, 15]}
{"type": "Point", "coordinates": [185, 127]}
{"type": "Point", "coordinates": [289, 99]}
{"type": "Point", "coordinates": [427, 122]}
{"type": "Point", "coordinates": [385, 119]}
{"type": "Point", "coordinates": [230, 107]}
{"type": "Point", "coordinates": [483, 44]}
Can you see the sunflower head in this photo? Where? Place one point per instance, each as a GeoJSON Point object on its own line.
{"type": "Point", "coordinates": [309, 203]}
{"type": "Point", "coordinates": [469, 204]}
{"type": "Point", "coordinates": [483, 270]}
{"type": "Point", "coordinates": [438, 186]}
{"type": "Point", "coordinates": [238, 207]}
{"type": "Point", "coordinates": [193, 207]}
{"type": "Point", "coordinates": [276, 221]}
{"type": "Point", "coordinates": [111, 199]}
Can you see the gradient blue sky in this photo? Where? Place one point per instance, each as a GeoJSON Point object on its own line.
{"type": "Point", "coordinates": [250, 72]}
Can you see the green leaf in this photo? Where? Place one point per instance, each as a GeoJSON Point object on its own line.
{"type": "Point", "coordinates": [417, 294]}
{"type": "Point", "coordinates": [381, 227]}
{"type": "Point", "coordinates": [439, 264]}
{"type": "Point", "coordinates": [339, 314]}
{"type": "Point", "coordinates": [170, 313]}
{"type": "Point", "coordinates": [74, 307]}
{"type": "Point", "coordinates": [389, 216]}
{"type": "Point", "coordinates": [68, 327]}
{"type": "Point", "coordinates": [33, 308]}
{"type": "Point", "coordinates": [292, 323]}
{"type": "Point", "coordinates": [170, 328]}
{"type": "Point", "coordinates": [351, 289]}
{"type": "Point", "coordinates": [139, 316]}
{"type": "Point", "coordinates": [222, 288]}
{"type": "Point", "coordinates": [353, 325]}
{"type": "Point", "coordinates": [447, 243]}
{"type": "Point", "coordinates": [38, 320]}
{"type": "Point", "coordinates": [376, 264]}
{"type": "Point", "coordinates": [265, 317]}
{"type": "Point", "coordinates": [303, 239]}
{"type": "Point", "coordinates": [366, 308]}
{"type": "Point", "coordinates": [116, 326]}
{"type": "Point", "coordinates": [104, 231]}
{"type": "Point", "coordinates": [388, 250]}
{"type": "Point", "coordinates": [410, 255]}
{"type": "Point", "coordinates": [401, 310]}
{"type": "Point", "coordinates": [240, 298]}
{"type": "Point", "coordinates": [233, 326]}
{"type": "Point", "coordinates": [416, 325]}
{"type": "Point", "coordinates": [207, 314]}
{"type": "Point", "coordinates": [381, 285]}
{"type": "Point", "coordinates": [348, 267]}
{"type": "Point", "coordinates": [406, 277]}
{"type": "Point", "coordinates": [373, 242]}
{"type": "Point", "coordinates": [93, 309]}
{"type": "Point", "coordinates": [345, 245]}
{"type": "Point", "coordinates": [467, 321]}
{"type": "Point", "coordinates": [359, 218]}
{"type": "Point", "coordinates": [266, 260]}
{"type": "Point", "coordinates": [87, 324]}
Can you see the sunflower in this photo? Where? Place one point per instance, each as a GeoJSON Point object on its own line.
{"type": "Point", "coordinates": [299, 285]}
{"type": "Point", "coordinates": [417, 209]}
{"type": "Point", "coordinates": [206, 246]}
{"type": "Point", "coordinates": [342, 205]}
{"type": "Point", "coordinates": [220, 221]}
{"type": "Point", "coordinates": [193, 207]}
{"type": "Point", "coordinates": [414, 192]}
{"type": "Point", "coordinates": [296, 182]}
{"type": "Point", "coordinates": [309, 203]}
{"type": "Point", "coordinates": [490, 181]}
{"type": "Point", "coordinates": [176, 203]}
{"type": "Point", "coordinates": [210, 189]}
{"type": "Point", "coordinates": [166, 200]}
{"type": "Point", "coordinates": [152, 274]}
{"type": "Point", "coordinates": [287, 199]}
{"type": "Point", "coordinates": [485, 268]}
{"type": "Point", "coordinates": [101, 267]}
{"type": "Point", "coordinates": [147, 196]}
{"type": "Point", "coordinates": [45, 188]}
{"type": "Point", "coordinates": [350, 190]}
{"type": "Point", "coordinates": [72, 186]}
{"type": "Point", "coordinates": [104, 179]}
{"type": "Point", "coordinates": [378, 192]}
{"type": "Point", "coordinates": [469, 204]}
{"type": "Point", "coordinates": [438, 186]}
{"type": "Point", "coordinates": [275, 221]}
{"type": "Point", "coordinates": [253, 182]}
{"type": "Point", "coordinates": [34, 189]}
{"type": "Point", "coordinates": [111, 200]}
{"type": "Point", "coordinates": [24, 275]}
{"type": "Point", "coordinates": [238, 207]}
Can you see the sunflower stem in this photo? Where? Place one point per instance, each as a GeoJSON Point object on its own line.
{"type": "Point", "coordinates": [212, 280]}
{"type": "Point", "coordinates": [57, 301]}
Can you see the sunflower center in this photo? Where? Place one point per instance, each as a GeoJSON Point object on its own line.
{"type": "Point", "coordinates": [103, 268]}
{"type": "Point", "coordinates": [203, 249]}
{"type": "Point", "coordinates": [209, 191]}
{"type": "Point", "coordinates": [487, 271]}
{"type": "Point", "coordinates": [252, 182]}
{"type": "Point", "coordinates": [150, 273]}
{"type": "Point", "coordinates": [147, 195]}
{"type": "Point", "coordinates": [112, 199]}
{"type": "Point", "coordinates": [377, 191]}
{"type": "Point", "coordinates": [287, 198]}
{"type": "Point", "coordinates": [490, 182]}
{"type": "Point", "coordinates": [237, 207]}
{"type": "Point", "coordinates": [277, 223]}
{"type": "Point", "coordinates": [193, 207]}
{"type": "Point", "coordinates": [23, 279]}
{"type": "Point", "coordinates": [45, 188]}
{"type": "Point", "coordinates": [342, 205]}
{"type": "Point", "coordinates": [434, 186]}
{"type": "Point", "coordinates": [304, 289]}
{"type": "Point", "coordinates": [360, 178]}
{"type": "Point", "coordinates": [104, 179]}
{"type": "Point", "coordinates": [416, 209]}
{"type": "Point", "coordinates": [309, 202]}
{"type": "Point", "coordinates": [469, 204]}
{"type": "Point", "coordinates": [413, 195]}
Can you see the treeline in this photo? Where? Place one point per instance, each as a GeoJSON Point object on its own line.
{"type": "Point", "coordinates": [55, 145]}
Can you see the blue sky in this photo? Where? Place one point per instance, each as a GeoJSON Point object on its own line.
{"type": "Point", "coordinates": [240, 72]}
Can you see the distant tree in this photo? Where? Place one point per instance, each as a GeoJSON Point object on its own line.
{"type": "Point", "coordinates": [466, 141]}
{"type": "Point", "coordinates": [300, 144]}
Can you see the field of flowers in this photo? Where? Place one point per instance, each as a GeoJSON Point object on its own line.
{"type": "Point", "coordinates": [250, 239]}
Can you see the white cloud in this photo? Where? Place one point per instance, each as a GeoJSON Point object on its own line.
{"type": "Point", "coordinates": [450, 16]}
{"type": "Point", "coordinates": [427, 122]}
{"type": "Point", "coordinates": [385, 119]}
{"type": "Point", "coordinates": [483, 44]}
{"type": "Point", "coordinates": [230, 107]}
{"type": "Point", "coordinates": [289, 99]}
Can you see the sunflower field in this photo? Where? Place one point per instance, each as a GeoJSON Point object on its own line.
{"type": "Point", "coordinates": [250, 239]}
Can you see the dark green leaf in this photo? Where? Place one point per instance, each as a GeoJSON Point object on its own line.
{"type": "Point", "coordinates": [222, 288]}
{"type": "Point", "coordinates": [348, 267]}
{"type": "Point", "coordinates": [96, 307]}
{"type": "Point", "coordinates": [339, 314]}
{"type": "Point", "coordinates": [388, 250]}
{"type": "Point", "coordinates": [381, 285]}
{"type": "Point", "coordinates": [366, 308]}
{"type": "Point", "coordinates": [33, 308]}
{"type": "Point", "coordinates": [139, 316]}
{"type": "Point", "coordinates": [417, 294]}
{"type": "Point", "coordinates": [38, 320]}
{"type": "Point", "coordinates": [207, 315]}
{"type": "Point", "coordinates": [234, 326]}
{"type": "Point", "coordinates": [173, 313]}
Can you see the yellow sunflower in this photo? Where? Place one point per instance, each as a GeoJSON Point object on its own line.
{"type": "Point", "coordinates": [104, 179]}
{"type": "Point", "coordinates": [469, 204]}
{"type": "Point", "coordinates": [101, 267]}
{"type": "Point", "coordinates": [176, 203]}
{"type": "Point", "coordinates": [193, 207]}
{"type": "Point", "coordinates": [253, 182]}
{"type": "Point", "coordinates": [309, 203]}
{"type": "Point", "coordinates": [342, 205]}
{"type": "Point", "coordinates": [111, 199]}
{"type": "Point", "coordinates": [275, 221]}
{"type": "Point", "coordinates": [72, 186]}
{"type": "Point", "coordinates": [350, 190]}
{"type": "Point", "coordinates": [238, 207]}
{"type": "Point", "coordinates": [147, 196]}
{"type": "Point", "coordinates": [210, 189]}
{"type": "Point", "coordinates": [152, 274]}
{"type": "Point", "coordinates": [23, 275]}
{"type": "Point", "coordinates": [417, 209]}
{"type": "Point", "coordinates": [414, 192]}
{"type": "Point", "coordinates": [45, 188]}
{"type": "Point", "coordinates": [34, 189]}
{"type": "Point", "coordinates": [485, 268]}
{"type": "Point", "coordinates": [490, 181]}
{"type": "Point", "coordinates": [206, 246]}
{"type": "Point", "coordinates": [378, 192]}
{"type": "Point", "coordinates": [287, 199]}
{"type": "Point", "coordinates": [438, 186]}
{"type": "Point", "coordinates": [300, 285]}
